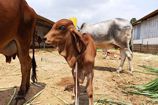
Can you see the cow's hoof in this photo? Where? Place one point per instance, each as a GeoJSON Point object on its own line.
{"type": "Point", "coordinates": [119, 70]}
{"type": "Point", "coordinates": [18, 100]}
{"type": "Point", "coordinates": [20, 97]}
{"type": "Point", "coordinates": [73, 97]}
{"type": "Point", "coordinates": [131, 73]}
{"type": "Point", "coordinates": [131, 70]}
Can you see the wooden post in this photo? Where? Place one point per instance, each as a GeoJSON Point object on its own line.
{"type": "Point", "coordinates": [140, 48]}
{"type": "Point", "coordinates": [148, 48]}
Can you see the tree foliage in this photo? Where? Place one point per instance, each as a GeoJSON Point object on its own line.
{"type": "Point", "coordinates": [133, 20]}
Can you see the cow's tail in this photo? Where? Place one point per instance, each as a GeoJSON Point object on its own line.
{"type": "Point", "coordinates": [34, 76]}
{"type": "Point", "coordinates": [131, 41]}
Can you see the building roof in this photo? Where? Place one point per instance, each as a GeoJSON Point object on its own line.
{"type": "Point", "coordinates": [152, 14]}
{"type": "Point", "coordinates": [44, 21]}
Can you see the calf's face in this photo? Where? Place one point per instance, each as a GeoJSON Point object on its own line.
{"type": "Point", "coordinates": [62, 33]}
{"type": "Point", "coordinates": [58, 34]}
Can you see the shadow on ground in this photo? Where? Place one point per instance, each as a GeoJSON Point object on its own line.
{"type": "Point", "coordinates": [101, 68]}
{"type": "Point", "coordinates": [68, 83]}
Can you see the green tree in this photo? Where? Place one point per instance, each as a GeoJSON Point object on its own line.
{"type": "Point", "coordinates": [133, 20]}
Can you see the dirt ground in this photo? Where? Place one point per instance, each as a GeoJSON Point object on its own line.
{"type": "Point", "coordinates": [54, 75]}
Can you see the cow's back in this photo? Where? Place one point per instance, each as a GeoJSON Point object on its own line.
{"type": "Point", "coordinates": [105, 32]}
{"type": "Point", "coordinates": [99, 29]}
{"type": "Point", "coordinates": [15, 16]}
{"type": "Point", "coordinates": [12, 11]}
{"type": "Point", "coordinates": [9, 10]}
{"type": "Point", "coordinates": [122, 23]}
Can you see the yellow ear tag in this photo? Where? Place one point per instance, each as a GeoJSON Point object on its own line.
{"type": "Point", "coordinates": [74, 20]}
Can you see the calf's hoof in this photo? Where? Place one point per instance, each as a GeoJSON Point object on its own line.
{"type": "Point", "coordinates": [69, 87]}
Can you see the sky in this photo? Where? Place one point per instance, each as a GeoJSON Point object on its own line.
{"type": "Point", "coordinates": [93, 11]}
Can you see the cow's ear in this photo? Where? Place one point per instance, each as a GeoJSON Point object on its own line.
{"type": "Point", "coordinates": [79, 43]}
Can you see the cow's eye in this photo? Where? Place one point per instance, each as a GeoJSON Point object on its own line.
{"type": "Point", "coordinates": [62, 28]}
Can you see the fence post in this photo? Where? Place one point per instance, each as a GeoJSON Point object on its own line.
{"type": "Point", "coordinates": [148, 48]}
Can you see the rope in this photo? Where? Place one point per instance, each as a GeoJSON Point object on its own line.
{"type": "Point", "coordinates": [28, 102]}
{"type": "Point", "coordinates": [12, 97]}
{"type": "Point", "coordinates": [76, 97]}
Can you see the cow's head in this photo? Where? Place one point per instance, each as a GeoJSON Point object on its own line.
{"type": "Point", "coordinates": [63, 32]}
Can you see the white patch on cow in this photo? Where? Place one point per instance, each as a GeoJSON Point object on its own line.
{"type": "Point", "coordinates": [97, 30]}
{"type": "Point", "coordinates": [105, 44]}
{"type": "Point", "coordinates": [123, 24]}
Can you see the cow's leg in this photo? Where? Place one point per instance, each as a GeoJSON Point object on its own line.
{"type": "Point", "coordinates": [78, 88]}
{"type": "Point", "coordinates": [25, 62]}
{"type": "Point", "coordinates": [39, 45]}
{"type": "Point", "coordinates": [129, 56]}
{"type": "Point", "coordinates": [89, 87]}
{"type": "Point", "coordinates": [130, 65]}
{"type": "Point", "coordinates": [105, 53]}
{"type": "Point", "coordinates": [123, 58]}
{"type": "Point", "coordinates": [23, 43]}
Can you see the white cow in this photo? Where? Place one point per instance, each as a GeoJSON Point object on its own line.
{"type": "Point", "coordinates": [111, 34]}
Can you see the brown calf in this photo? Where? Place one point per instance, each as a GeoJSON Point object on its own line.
{"type": "Point", "coordinates": [17, 24]}
{"type": "Point", "coordinates": [78, 49]}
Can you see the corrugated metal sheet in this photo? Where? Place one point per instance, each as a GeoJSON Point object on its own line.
{"type": "Point", "coordinates": [152, 14]}
{"type": "Point", "coordinates": [147, 30]}
{"type": "Point", "coordinates": [150, 41]}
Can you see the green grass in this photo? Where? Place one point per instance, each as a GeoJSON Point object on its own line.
{"type": "Point", "coordinates": [149, 89]}
{"type": "Point", "coordinates": [150, 69]}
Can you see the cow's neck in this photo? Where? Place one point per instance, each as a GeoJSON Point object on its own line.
{"type": "Point", "coordinates": [68, 51]}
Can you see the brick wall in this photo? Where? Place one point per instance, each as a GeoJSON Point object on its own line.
{"type": "Point", "coordinates": [146, 48]}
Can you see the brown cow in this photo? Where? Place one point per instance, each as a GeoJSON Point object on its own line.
{"type": "Point", "coordinates": [77, 49]}
{"type": "Point", "coordinates": [17, 24]}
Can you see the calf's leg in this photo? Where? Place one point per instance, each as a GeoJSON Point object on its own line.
{"type": "Point", "coordinates": [89, 87]}
{"type": "Point", "coordinates": [78, 87]}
